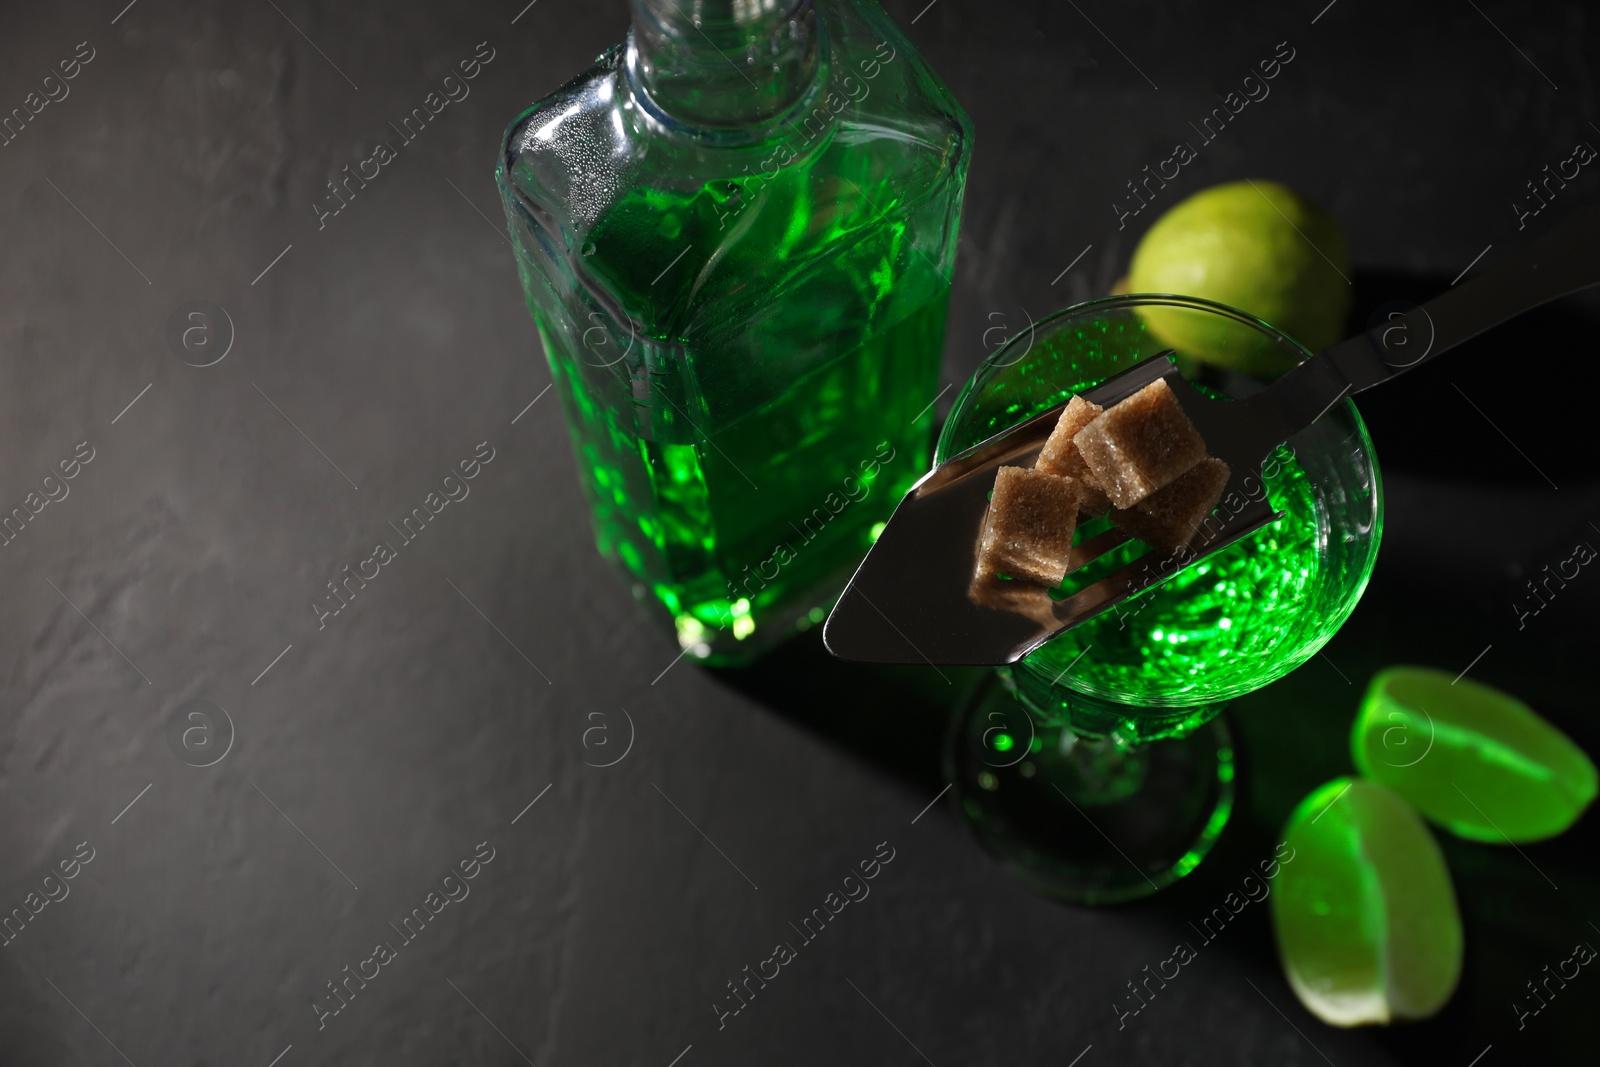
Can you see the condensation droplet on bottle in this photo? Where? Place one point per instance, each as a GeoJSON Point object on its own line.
{"type": "Point", "coordinates": [588, 248]}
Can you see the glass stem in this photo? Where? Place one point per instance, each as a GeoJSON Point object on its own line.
{"type": "Point", "coordinates": [1098, 771]}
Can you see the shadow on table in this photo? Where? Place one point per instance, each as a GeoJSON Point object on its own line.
{"type": "Point", "coordinates": [893, 717]}
{"type": "Point", "coordinates": [1531, 380]}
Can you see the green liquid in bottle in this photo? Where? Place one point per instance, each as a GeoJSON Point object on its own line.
{"type": "Point", "coordinates": [775, 447]}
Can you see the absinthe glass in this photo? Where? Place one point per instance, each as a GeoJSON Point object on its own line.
{"type": "Point", "coordinates": [1097, 769]}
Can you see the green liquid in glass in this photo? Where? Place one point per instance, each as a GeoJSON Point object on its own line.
{"type": "Point", "coordinates": [1204, 632]}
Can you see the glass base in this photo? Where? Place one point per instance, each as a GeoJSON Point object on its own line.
{"type": "Point", "coordinates": [1086, 821]}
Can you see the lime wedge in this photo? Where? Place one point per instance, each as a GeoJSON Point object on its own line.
{"type": "Point", "coordinates": [1364, 912]}
{"type": "Point", "coordinates": [1474, 760]}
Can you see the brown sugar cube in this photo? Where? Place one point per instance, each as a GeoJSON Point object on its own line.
{"type": "Point", "coordinates": [1168, 517]}
{"type": "Point", "coordinates": [1027, 532]}
{"type": "Point", "coordinates": [1060, 455]}
{"type": "Point", "coordinates": [1023, 598]}
{"type": "Point", "coordinates": [1140, 445]}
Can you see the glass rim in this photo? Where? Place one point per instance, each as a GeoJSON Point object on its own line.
{"type": "Point", "coordinates": [1004, 357]}
{"type": "Point", "coordinates": [1197, 303]}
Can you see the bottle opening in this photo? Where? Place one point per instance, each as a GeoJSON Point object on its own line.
{"type": "Point", "coordinates": [724, 67]}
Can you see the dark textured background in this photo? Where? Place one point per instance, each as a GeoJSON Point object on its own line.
{"type": "Point", "coordinates": [187, 157]}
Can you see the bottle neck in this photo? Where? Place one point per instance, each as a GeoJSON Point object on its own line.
{"type": "Point", "coordinates": [723, 65]}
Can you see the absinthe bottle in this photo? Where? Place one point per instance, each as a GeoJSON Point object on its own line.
{"type": "Point", "coordinates": [735, 233]}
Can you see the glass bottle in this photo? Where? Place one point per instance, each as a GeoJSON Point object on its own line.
{"type": "Point", "coordinates": [736, 233]}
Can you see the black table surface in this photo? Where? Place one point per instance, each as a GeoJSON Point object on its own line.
{"type": "Point", "coordinates": [451, 710]}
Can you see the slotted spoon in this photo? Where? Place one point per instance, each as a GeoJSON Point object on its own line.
{"type": "Point", "coordinates": [913, 599]}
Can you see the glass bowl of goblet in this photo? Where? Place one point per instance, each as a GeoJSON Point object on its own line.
{"type": "Point", "coordinates": [1096, 769]}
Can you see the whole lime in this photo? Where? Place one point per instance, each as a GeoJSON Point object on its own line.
{"type": "Point", "coordinates": [1257, 246]}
